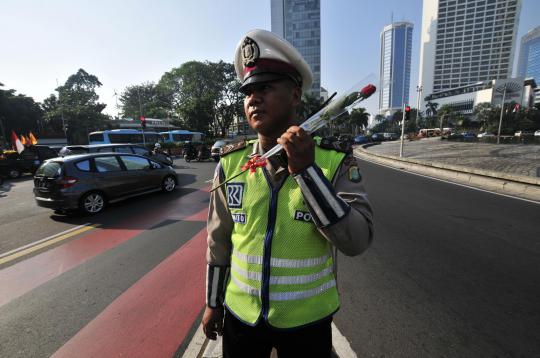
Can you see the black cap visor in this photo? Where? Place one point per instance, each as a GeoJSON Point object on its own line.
{"type": "Point", "coordinates": [265, 77]}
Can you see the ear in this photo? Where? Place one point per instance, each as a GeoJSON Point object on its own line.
{"type": "Point", "coordinates": [296, 95]}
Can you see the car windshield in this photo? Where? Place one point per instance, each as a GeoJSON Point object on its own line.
{"type": "Point", "coordinates": [49, 169]}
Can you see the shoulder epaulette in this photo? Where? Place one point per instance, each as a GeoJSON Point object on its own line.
{"type": "Point", "coordinates": [232, 147]}
{"type": "Point", "coordinates": [334, 144]}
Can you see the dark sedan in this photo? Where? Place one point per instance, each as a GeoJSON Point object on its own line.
{"type": "Point", "coordinates": [90, 181]}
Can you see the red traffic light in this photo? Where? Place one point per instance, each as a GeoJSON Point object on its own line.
{"type": "Point", "coordinates": [407, 108]}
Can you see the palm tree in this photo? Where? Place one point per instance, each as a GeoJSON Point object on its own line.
{"type": "Point", "coordinates": [359, 118]}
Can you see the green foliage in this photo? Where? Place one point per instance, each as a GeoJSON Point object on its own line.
{"type": "Point", "coordinates": [18, 113]}
{"type": "Point", "coordinates": [308, 106]}
{"type": "Point", "coordinates": [78, 102]}
{"type": "Point", "coordinates": [153, 104]}
{"type": "Point", "coordinates": [204, 95]}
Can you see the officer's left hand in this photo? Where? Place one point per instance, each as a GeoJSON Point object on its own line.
{"type": "Point", "coordinates": [299, 147]}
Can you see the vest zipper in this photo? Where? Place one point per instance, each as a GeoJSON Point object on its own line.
{"type": "Point", "coordinates": [267, 253]}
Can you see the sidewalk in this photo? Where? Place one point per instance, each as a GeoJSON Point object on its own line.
{"type": "Point", "coordinates": [508, 169]}
{"type": "Point", "coordinates": [517, 159]}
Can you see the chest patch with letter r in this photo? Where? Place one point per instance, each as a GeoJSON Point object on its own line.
{"type": "Point", "coordinates": [235, 193]}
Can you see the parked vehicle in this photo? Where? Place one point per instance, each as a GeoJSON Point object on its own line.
{"type": "Point", "coordinates": [485, 135]}
{"type": "Point", "coordinates": [123, 136]}
{"type": "Point", "coordinates": [467, 136]}
{"type": "Point", "coordinates": [116, 148]}
{"type": "Point", "coordinates": [13, 164]}
{"type": "Point", "coordinates": [523, 134]}
{"type": "Point", "coordinates": [347, 138]}
{"type": "Point", "coordinates": [91, 181]}
{"type": "Point", "coordinates": [361, 139]}
{"type": "Point", "coordinates": [377, 137]}
{"type": "Point", "coordinates": [537, 133]}
{"type": "Point", "coordinates": [390, 136]}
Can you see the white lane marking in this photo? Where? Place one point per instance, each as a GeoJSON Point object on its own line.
{"type": "Point", "coordinates": [341, 344]}
{"type": "Point", "coordinates": [42, 240]}
{"type": "Point", "coordinates": [451, 182]}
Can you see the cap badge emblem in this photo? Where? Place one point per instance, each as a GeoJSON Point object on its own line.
{"type": "Point", "coordinates": [250, 52]}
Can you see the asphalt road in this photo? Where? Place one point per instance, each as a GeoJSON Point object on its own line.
{"type": "Point", "coordinates": [452, 272]}
{"type": "Point", "coordinates": [135, 284]}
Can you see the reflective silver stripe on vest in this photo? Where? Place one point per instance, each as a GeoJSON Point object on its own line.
{"type": "Point", "coordinates": [285, 296]}
{"type": "Point", "coordinates": [287, 263]}
{"type": "Point", "coordinates": [282, 280]}
{"type": "Point", "coordinates": [330, 198]}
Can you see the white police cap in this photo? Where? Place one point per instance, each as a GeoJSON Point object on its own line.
{"type": "Point", "coordinates": [262, 56]}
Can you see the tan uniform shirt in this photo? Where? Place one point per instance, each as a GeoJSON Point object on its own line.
{"type": "Point", "coordinates": [351, 235]}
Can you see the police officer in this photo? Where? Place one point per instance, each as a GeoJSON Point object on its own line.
{"type": "Point", "coordinates": [271, 277]}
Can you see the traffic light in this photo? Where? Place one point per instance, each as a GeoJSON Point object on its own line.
{"type": "Point", "coordinates": [143, 122]}
{"type": "Point", "coordinates": [407, 113]}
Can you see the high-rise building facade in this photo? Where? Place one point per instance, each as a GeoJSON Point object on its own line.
{"type": "Point", "coordinates": [466, 41]}
{"type": "Point", "coordinates": [529, 55]}
{"type": "Point", "coordinates": [395, 68]}
{"type": "Point", "coordinates": [299, 22]}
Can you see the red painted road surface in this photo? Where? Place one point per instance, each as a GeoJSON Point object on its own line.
{"type": "Point", "coordinates": [151, 318]}
{"type": "Point", "coordinates": [22, 277]}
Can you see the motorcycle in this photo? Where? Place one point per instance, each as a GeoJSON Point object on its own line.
{"type": "Point", "coordinates": [162, 158]}
{"type": "Point", "coordinates": [198, 154]}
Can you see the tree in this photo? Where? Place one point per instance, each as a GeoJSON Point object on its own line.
{"type": "Point", "coordinates": [19, 113]}
{"type": "Point", "coordinates": [146, 100]}
{"type": "Point", "coordinates": [193, 93]}
{"type": "Point", "coordinates": [485, 113]}
{"type": "Point", "coordinates": [229, 104]}
{"type": "Point", "coordinates": [359, 118]}
{"type": "Point", "coordinates": [79, 102]}
{"type": "Point", "coordinates": [308, 106]}
{"type": "Point", "coordinates": [52, 116]}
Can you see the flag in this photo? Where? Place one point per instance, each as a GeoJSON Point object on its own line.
{"type": "Point", "coordinates": [17, 145]}
{"type": "Point", "coordinates": [23, 140]}
{"type": "Point", "coordinates": [33, 140]}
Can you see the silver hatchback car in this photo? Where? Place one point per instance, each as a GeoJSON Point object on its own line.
{"type": "Point", "coordinates": [90, 181]}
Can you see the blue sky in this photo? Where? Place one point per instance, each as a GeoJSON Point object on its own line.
{"type": "Point", "coordinates": [129, 42]}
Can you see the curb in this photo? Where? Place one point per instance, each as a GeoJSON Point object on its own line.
{"type": "Point", "coordinates": [502, 183]}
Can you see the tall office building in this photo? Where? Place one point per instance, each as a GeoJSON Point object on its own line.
{"type": "Point", "coordinates": [395, 69]}
{"type": "Point", "coordinates": [466, 41]}
{"type": "Point", "coordinates": [529, 55]}
{"type": "Point", "coordinates": [299, 22]}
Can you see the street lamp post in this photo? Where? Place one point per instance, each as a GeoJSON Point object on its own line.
{"type": "Point", "coordinates": [502, 112]}
{"type": "Point", "coordinates": [419, 90]}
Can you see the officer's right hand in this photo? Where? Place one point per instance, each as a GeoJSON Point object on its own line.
{"type": "Point", "coordinates": [212, 322]}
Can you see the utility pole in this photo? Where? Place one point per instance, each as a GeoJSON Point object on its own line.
{"type": "Point", "coordinates": [502, 112]}
{"type": "Point", "coordinates": [402, 132]}
{"type": "Point", "coordinates": [419, 90]}
{"type": "Point", "coordinates": [140, 113]}
{"type": "Point", "coordinates": [62, 112]}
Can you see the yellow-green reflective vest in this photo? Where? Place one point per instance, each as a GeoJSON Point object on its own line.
{"type": "Point", "coordinates": [281, 266]}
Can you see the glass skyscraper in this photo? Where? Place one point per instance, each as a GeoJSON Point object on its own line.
{"type": "Point", "coordinates": [395, 69]}
{"type": "Point", "coordinates": [529, 55]}
{"type": "Point", "coordinates": [299, 22]}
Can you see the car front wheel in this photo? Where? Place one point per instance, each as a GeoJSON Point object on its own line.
{"type": "Point", "coordinates": [169, 184]}
{"type": "Point", "coordinates": [14, 173]}
{"type": "Point", "coordinates": [93, 203]}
